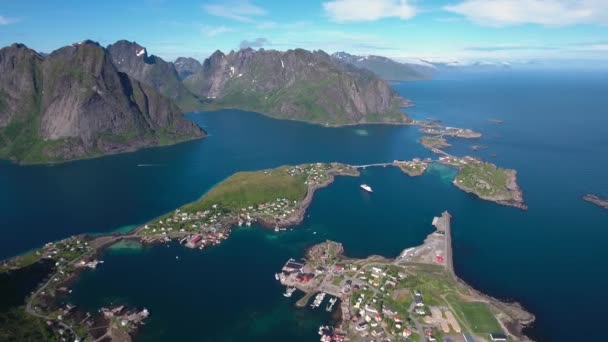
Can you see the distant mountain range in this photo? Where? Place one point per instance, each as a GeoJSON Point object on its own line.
{"type": "Point", "coordinates": [387, 68]}
{"type": "Point", "coordinates": [85, 100]}
{"type": "Point", "coordinates": [417, 69]}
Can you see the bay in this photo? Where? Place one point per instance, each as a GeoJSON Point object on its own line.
{"type": "Point", "coordinates": [549, 258]}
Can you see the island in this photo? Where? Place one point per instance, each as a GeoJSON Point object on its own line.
{"type": "Point", "coordinates": [414, 297]}
{"type": "Point", "coordinates": [483, 179]}
{"type": "Point", "coordinates": [434, 142]}
{"type": "Point", "coordinates": [486, 180]}
{"type": "Point", "coordinates": [603, 203]}
{"type": "Point", "coordinates": [415, 167]}
{"type": "Point", "coordinates": [451, 131]}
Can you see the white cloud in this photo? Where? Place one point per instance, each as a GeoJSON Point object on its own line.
{"type": "Point", "coordinates": [367, 10]}
{"type": "Point", "coordinates": [241, 10]}
{"type": "Point", "coordinates": [212, 31]}
{"type": "Point", "coordinates": [542, 12]}
{"type": "Point", "coordinates": [7, 20]}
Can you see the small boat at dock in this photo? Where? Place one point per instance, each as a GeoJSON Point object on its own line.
{"type": "Point", "coordinates": [318, 300]}
{"type": "Point", "coordinates": [331, 304]}
{"type": "Point", "coordinates": [366, 188]}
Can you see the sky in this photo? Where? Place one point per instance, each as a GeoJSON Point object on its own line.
{"type": "Point", "coordinates": [438, 30]}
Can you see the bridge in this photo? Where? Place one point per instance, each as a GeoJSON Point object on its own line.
{"type": "Point", "coordinates": [372, 165]}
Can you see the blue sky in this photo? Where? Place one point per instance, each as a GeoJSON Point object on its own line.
{"type": "Point", "coordinates": [441, 30]}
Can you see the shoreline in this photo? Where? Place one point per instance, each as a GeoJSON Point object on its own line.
{"type": "Point", "coordinates": [513, 188]}
{"type": "Point", "coordinates": [136, 149]}
{"type": "Point", "coordinates": [408, 120]}
{"type": "Point", "coordinates": [511, 316]}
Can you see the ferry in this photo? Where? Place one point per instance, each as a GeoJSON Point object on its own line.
{"type": "Point", "coordinates": [289, 292]}
{"type": "Point", "coordinates": [366, 187]}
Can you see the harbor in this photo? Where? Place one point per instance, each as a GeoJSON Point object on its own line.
{"type": "Point", "coordinates": [414, 297]}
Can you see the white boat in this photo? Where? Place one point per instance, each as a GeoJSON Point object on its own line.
{"type": "Point", "coordinates": [366, 187]}
{"type": "Point", "coordinates": [318, 300]}
{"type": "Point", "coordinates": [276, 276]}
{"type": "Point", "coordinates": [331, 304]}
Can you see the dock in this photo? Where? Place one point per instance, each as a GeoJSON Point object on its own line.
{"type": "Point", "coordinates": [443, 224]}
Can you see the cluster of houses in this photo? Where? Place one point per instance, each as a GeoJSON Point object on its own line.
{"type": "Point", "coordinates": [209, 227]}
{"type": "Point", "coordinates": [452, 131]}
{"type": "Point", "coordinates": [459, 161]}
{"type": "Point", "coordinates": [125, 319]}
{"type": "Point", "coordinates": [370, 295]}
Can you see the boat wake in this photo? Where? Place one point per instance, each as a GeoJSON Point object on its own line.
{"type": "Point", "coordinates": [149, 165]}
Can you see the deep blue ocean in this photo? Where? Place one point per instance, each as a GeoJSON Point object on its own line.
{"type": "Point", "coordinates": [549, 258]}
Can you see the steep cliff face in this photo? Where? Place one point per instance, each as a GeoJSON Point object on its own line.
{"type": "Point", "coordinates": [187, 66]}
{"type": "Point", "coordinates": [20, 82]}
{"type": "Point", "coordinates": [74, 103]}
{"type": "Point", "coordinates": [133, 59]}
{"type": "Point", "coordinates": [296, 84]}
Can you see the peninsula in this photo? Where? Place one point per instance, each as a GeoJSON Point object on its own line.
{"type": "Point", "coordinates": [603, 203]}
{"type": "Point", "coordinates": [414, 297]}
{"type": "Point", "coordinates": [273, 198]}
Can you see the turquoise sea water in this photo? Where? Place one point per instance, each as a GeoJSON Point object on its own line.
{"type": "Point", "coordinates": [549, 257]}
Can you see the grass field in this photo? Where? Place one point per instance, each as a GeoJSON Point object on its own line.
{"type": "Point", "coordinates": [433, 141]}
{"type": "Point", "coordinates": [484, 179]}
{"type": "Point", "coordinates": [476, 314]}
{"type": "Point", "coordinates": [245, 189]}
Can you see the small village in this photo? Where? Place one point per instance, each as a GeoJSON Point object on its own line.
{"type": "Point", "coordinates": [213, 223]}
{"type": "Point", "coordinates": [465, 133]}
{"type": "Point", "coordinates": [390, 300]}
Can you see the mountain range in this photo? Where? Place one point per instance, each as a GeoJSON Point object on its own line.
{"type": "Point", "coordinates": [387, 68]}
{"type": "Point", "coordinates": [75, 103]}
{"type": "Point", "coordinates": [86, 100]}
{"type": "Point", "coordinates": [296, 84]}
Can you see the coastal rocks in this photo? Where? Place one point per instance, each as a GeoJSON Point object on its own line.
{"type": "Point", "coordinates": [602, 203]}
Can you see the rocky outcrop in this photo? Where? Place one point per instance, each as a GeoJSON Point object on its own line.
{"type": "Point", "coordinates": [387, 68]}
{"type": "Point", "coordinates": [298, 85]}
{"type": "Point", "coordinates": [187, 66]}
{"type": "Point", "coordinates": [133, 59]}
{"type": "Point", "coordinates": [74, 103]}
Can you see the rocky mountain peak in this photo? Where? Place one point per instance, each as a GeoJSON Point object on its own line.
{"type": "Point", "coordinates": [187, 66]}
